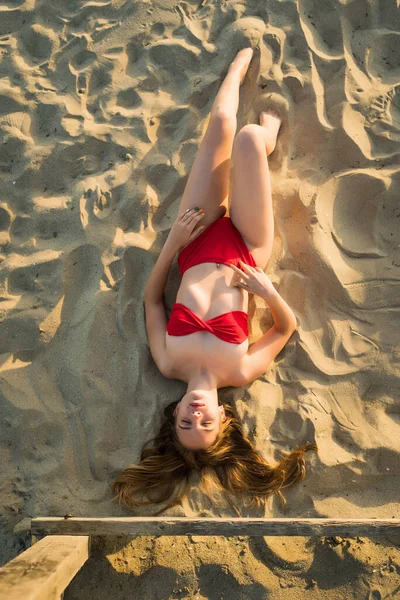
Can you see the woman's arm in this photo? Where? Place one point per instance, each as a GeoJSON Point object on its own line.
{"type": "Point", "coordinates": [260, 354]}
{"type": "Point", "coordinates": [154, 290]}
{"type": "Point", "coordinates": [156, 320]}
{"type": "Point", "coordinates": [284, 318]}
{"type": "Point", "coordinates": [182, 232]}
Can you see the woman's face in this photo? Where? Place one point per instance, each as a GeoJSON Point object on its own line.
{"type": "Point", "coordinates": [198, 419]}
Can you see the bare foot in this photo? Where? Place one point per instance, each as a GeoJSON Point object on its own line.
{"type": "Point", "coordinates": [241, 62]}
{"type": "Point", "coordinates": [271, 120]}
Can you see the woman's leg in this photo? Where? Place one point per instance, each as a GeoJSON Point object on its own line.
{"type": "Point", "coordinates": [208, 184]}
{"type": "Point", "coordinates": [251, 204]}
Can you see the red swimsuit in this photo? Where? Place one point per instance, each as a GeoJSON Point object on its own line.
{"type": "Point", "coordinates": [222, 243]}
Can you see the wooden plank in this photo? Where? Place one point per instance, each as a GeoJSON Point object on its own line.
{"type": "Point", "coordinates": [43, 571]}
{"type": "Point", "coordinates": [218, 526]}
{"type": "Point", "coordinates": [35, 539]}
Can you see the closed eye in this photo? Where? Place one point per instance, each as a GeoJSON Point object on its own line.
{"type": "Point", "coordinates": [206, 423]}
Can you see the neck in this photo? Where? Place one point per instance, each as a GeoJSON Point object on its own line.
{"type": "Point", "coordinates": [202, 379]}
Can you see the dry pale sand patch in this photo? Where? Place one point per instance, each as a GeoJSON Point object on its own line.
{"type": "Point", "coordinates": [102, 108]}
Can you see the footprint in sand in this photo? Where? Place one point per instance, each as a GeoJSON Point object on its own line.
{"type": "Point", "coordinates": [129, 99]}
{"type": "Point", "coordinates": [82, 272]}
{"type": "Point", "coordinates": [244, 32]}
{"type": "Point", "coordinates": [95, 202]}
{"type": "Point", "coordinates": [354, 194]}
{"type": "Point", "coordinates": [176, 57]}
{"type": "Point", "coordinates": [5, 219]}
{"type": "Point", "coordinates": [103, 205]}
{"type": "Point", "coordinates": [372, 117]}
{"type": "Point", "coordinates": [36, 44]}
{"type": "Point", "coordinates": [383, 57]}
{"type": "Point", "coordinates": [82, 65]}
{"type": "Point", "coordinates": [358, 228]}
{"type": "Point", "coordinates": [384, 116]}
{"type": "Point", "coordinates": [14, 15]}
{"type": "Point", "coordinates": [320, 21]}
{"type": "Point", "coordinates": [375, 125]}
{"type": "Point", "coordinates": [382, 109]}
{"type": "Point", "coordinates": [82, 61]}
{"type": "Point", "coordinates": [38, 273]}
{"type": "Point", "coordinates": [73, 124]}
{"type": "Point", "coordinates": [21, 230]}
{"type": "Point", "coordinates": [16, 120]}
{"type": "Point", "coordinates": [379, 106]}
{"type": "Point", "coordinates": [19, 334]}
{"type": "Point", "coordinates": [16, 142]}
{"type": "Point", "coordinates": [83, 158]}
{"type": "Point", "coordinates": [137, 264]}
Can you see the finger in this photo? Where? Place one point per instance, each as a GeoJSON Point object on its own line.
{"type": "Point", "coordinates": [234, 267]}
{"type": "Point", "coordinates": [196, 233]}
{"type": "Point", "coordinates": [259, 269]}
{"type": "Point", "coordinates": [241, 284]}
{"type": "Point", "coordinates": [184, 216]}
{"type": "Point", "coordinates": [195, 217]}
{"type": "Point", "coordinates": [239, 271]}
{"type": "Point", "coordinates": [246, 266]}
{"type": "Point", "coordinates": [189, 212]}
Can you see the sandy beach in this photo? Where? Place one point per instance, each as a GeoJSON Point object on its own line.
{"type": "Point", "coordinates": [103, 105]}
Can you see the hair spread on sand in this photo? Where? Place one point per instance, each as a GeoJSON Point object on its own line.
{"type": "Point", "coordinates": [163, 474]}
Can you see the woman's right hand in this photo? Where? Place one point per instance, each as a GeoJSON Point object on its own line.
{"type": "Point", "coordinates": [183, 230]}
{"type": "Point", "coordinates": [254, 281]}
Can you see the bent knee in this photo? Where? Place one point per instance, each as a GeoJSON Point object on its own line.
{"type": "Point", "coordinates": [222, 120]}
{"type": "Point", "coordinates": [250, 137]}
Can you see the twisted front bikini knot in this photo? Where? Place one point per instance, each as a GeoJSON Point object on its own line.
{"type": "Point", "coordinates": [230, 327]}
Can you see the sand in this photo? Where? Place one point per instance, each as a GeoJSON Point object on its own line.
{"type": "Point", "coordinates": [102, 107]}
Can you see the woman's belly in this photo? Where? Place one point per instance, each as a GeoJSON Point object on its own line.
{"type": "Point", "coordinates": [207, 291]}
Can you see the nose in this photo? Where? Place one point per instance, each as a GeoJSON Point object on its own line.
{"type": "Point", "coordinates": [196, 413]}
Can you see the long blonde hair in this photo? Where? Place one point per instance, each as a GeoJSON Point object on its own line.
{"type": "Point", "coordinates": [163, 474]}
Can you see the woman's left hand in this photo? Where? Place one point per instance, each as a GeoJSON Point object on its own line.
{"type": "Point", "coordinates": [254, 281]}
{"type": "Point", "coordinates": [183, 230]}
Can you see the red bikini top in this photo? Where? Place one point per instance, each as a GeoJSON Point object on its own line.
{"type": "Point", "coordinates": [230, 327]}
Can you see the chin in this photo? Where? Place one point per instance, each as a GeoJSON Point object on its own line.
{"type": "Point", "coordinates": [198, 395]}
{"type": "Point", "coordinates": [202, 395]}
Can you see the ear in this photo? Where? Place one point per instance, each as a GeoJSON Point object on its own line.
{"type": "Point", "coordinates": [176, 409]}
{"type": "Point", "coordinates": [222, 411]}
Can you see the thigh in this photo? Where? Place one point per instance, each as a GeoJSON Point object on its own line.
{"type": "Point", "coordinates": [208, 184]}
{"type": "Point", "coordinates": [251, 201]}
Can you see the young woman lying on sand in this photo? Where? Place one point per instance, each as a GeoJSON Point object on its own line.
{"type": "Point", "coordinates": [205, 343]}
